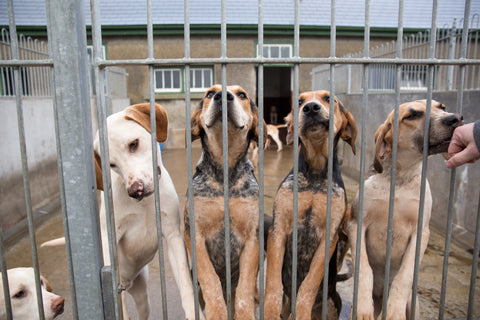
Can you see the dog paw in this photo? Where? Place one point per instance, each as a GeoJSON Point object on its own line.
{"type": "Point", "coordinates": [365, 311]}
{"type": "Point", "coordinates": [394, 313]}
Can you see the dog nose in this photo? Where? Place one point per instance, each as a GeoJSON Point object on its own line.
{"type": "Point", "coordinates": [218, 96]}
{"type": "Point", "coordinates": [311, 108]}
{"type": "Point", "coordinates": [136, 190]}
{"type": "Point", "coordinates": [58, 305]}
{"type": "Point", "coordinates": [453, 120]}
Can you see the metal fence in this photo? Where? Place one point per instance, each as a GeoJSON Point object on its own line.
{"type": "Point", "coordinates": [36, 81]}
{"type": "Point", "coordinates": [382, 77]}
{"type": "Point", "coordinates": [94, 286]}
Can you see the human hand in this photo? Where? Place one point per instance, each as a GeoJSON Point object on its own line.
{"type": "Point", "coordinates": [462, 148]}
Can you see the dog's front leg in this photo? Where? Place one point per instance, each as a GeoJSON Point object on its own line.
{"type": "Point", "coordinates": [274, 287]}
{"type": "Point", "coordinates": [139, 292]}
{"type": "Point", "coordinates": [178, 261]}
{"type": "Point", "coordinates": [309, 288]}
{"type": "Point", "coordinates": [365, 308]}
{"type": "Point", "coordinates": [401, 287]}
{"type": "Point", "coordinates": [245, 292]}
{"type": "Point", "coordinates": [215, 307]}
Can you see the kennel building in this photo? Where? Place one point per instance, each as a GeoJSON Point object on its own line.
{"type": "Point", "coordinates": [67, 63]}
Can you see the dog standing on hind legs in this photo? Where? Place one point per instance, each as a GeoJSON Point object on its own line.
{"type": "Point", "coordinates": [132, 179]}
{"type": "Point", "coordinates": [312, 213]}
{"type": "Point", "coordinates": [209, 203]}
{"type": "Point", "coordinates": [406, 209]}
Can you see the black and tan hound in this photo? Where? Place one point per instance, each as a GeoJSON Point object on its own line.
{"type": "Point", "coordinates": [209, 203]}
{"type": "Point", "coordinates": [312, 213]}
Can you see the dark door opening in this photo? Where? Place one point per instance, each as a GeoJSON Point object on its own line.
{"type": "Point", "coordinates": [277, 93]}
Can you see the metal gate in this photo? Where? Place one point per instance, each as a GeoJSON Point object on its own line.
{"type": "Point", "coordinates": [94, 287]}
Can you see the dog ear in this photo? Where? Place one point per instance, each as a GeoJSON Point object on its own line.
{"type": "Point", "coordinates": [98, 171]}
{"type": "Point", "coordinates": [254, 129]}
{"type": "Point", "coordinates": [47, 284]}
{"type": "Point", "coordinates": [140, 113]}
{"type": "Point", "coordinates": [382, 146]}
{"type": "Point", "coordinates": [289, 122]}
{"type": "Point", "coordinates": [195, 122]}
{"type": "Point", "coordinates": [349, 127]}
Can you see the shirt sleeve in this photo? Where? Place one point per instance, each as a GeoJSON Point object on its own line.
{"type": "Point", "coordinates": [476, 133]}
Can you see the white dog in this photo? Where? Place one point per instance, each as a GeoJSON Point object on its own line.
{"type": "Point", "coordinates": [23, 296]}
{"type": "Point", "coordinates": [132, 179]}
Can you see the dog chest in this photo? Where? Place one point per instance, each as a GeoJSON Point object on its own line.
{"type": "Point", "coordinates": [209, 216]}
{"type": "Point", "coordinates": [310, 203]}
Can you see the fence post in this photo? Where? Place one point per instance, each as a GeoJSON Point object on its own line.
{"type": "Point", "coordinates": [451, 55]}
{"type": "Point", "coordinates": [67, 37]}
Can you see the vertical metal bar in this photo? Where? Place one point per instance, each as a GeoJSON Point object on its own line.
{"type": "Point", "coordinates": [155, 148]}
{"type": "Point", "coordinates": [394, 160]}
{"type": "Point", "coordinates": [225, 160]}
{"type": "Point", "coordinates": [3, 266]}
{"type": "Point", "coordinates": [473, 277]}
{"type": "Point", "coordinates": [261, 222]}
{"type": "Point", "coordinates": [451, 198]}
{"type": "Point", "coordinates": [108, 101]}
{"type": "Point", "coordinates": [6, 290]}
{"type": "Point", "coordinates": [23, 153]}
{"type": "Point", "coordinates": [463, 54]}
{"type": "Point", "coordinates": [424, 182]}
{"type": "Point", "coordinates": [60, 162]}
{"type": "Point", "coordinates": [474, 56]}
{"type": "Point", "coordinates": [296, 75]}
{"type": "Point", "coordinates": [333, 36]}
{"type": "Point", "coordinates": [189, 157]}
{"type": "Point", "coordinates": [105, 162]}
{"type": "Point", "coordinates": [67, 24]}
{"type": "Point", "coordinates": [366, 50]}
{"type": "Point", "coordinates": [451, 55]}
{"type": "Point", "coordinates": [7, 55]}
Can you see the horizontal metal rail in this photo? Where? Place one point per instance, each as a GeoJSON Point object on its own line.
{"type": "Point", "coordinates": [293, 60]}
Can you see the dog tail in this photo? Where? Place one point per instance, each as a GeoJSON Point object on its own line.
{"type": "Point", "coordinates": [54, 242]}
{"type": "Point", "coordinates": [347, 275]}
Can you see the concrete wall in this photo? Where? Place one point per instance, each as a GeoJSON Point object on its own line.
{"type": "Point", "coordinates": [467, 177]}
{"type": "Point", "coordinates": [41, 151]}
{"type": "Point", "coordinates": [41, 154]}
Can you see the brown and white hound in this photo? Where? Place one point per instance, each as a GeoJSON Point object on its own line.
{"type": "Point", "coordinates": [312, 213]}
{"type": "Point", "coordinates": [209, 203]}
{"type": "Point", "coordinates": [406, 208]}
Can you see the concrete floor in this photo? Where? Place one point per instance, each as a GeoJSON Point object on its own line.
{"type": "Point", "coordinates": [53, 262]}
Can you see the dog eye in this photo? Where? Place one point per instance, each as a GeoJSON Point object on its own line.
{"type": "Point", "coordinates": [112, 165]}
{"type": "Point", "coordinates": [300, 102]}
{"type": "Point", "coordinates": [133, 146]}
{"type": "Point", "coordinates": [442, 107]}
{"type": "Point", "coordinates": [20, 294]}
{"type": "Point", "coordinates": [210, 94]}
{"type": "Point", "coordinates": [413, 115]}
{"type": "Point", "coordinates": [326, 99]}
{"type": "Point", "coordinates": [242, 95]}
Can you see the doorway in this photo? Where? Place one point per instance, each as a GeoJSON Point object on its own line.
{"type": "Point", "coordinates": [277, 93]}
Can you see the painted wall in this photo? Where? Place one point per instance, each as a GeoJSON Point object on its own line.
{"type": "Point", "coordinates": [38, 118]}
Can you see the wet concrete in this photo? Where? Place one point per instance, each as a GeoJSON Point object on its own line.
{"type": "Point", "coordinates": [53, 263]}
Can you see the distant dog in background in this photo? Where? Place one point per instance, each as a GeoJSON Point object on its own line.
{"type": "Point", "coordinates": [406, 207]}
{"type": "Point", "coordinates": [274, 134]}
